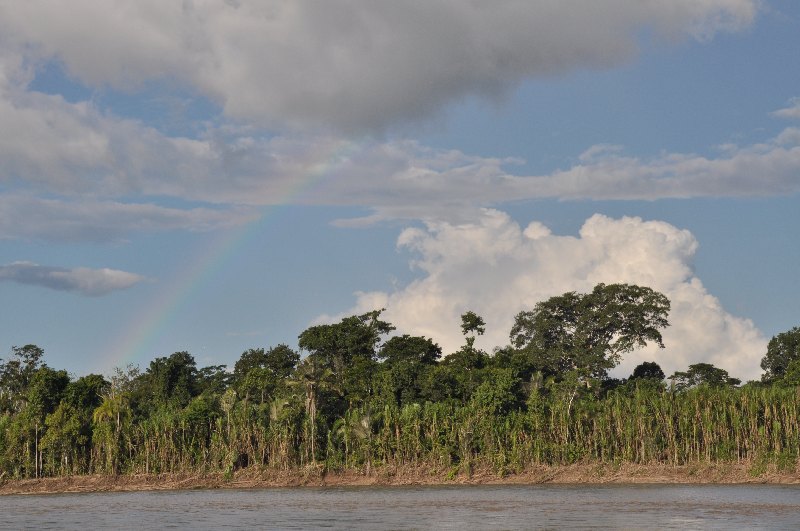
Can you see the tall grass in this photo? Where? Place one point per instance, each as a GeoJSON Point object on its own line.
{"type": "Point", "coordinates": [643, 425]}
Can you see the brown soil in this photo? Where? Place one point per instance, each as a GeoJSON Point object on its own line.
{"type": "Point", "coordinates": [316, 477]}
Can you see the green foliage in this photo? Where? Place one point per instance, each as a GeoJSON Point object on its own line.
{"type": "Point", "coordinates": [172, 380]}
{"type": "Point", "coordinates": [791, 378]}
{"type": "Point", "coordinates": [213, 379]}
{"type": "Point", "coordinates": [472, 324]}
{"type": "Point", "coordinates": [782, 350]}
{"type": "Point", "coordinates": [406, 361]}
{"type": "Point", "coordinates": [355, 404]}
{"type": "Point", "coordinates": [348, 349]}
{"type": "Point", "coordinates": [649, 370]}
{"type": "Point", "coordinates": [703, 374]}
{"type": "Point", "coordinates": [465, 372]}
{"type": "Point", "coordinates": [66, 439]}
{"type": "Point", "coordinates": [499, 392]}
{"type": "Point", "coordinates": [45, 391]}
{"type": "Point", "coordinates": [86, 393]}
{"type": "Point", "coordinates": [417, 349]}
{"type": "Point", "coordinates": [588, 333]}
{"type": "Point", "coordinates": [16, 375]}
{"type": "Point", "coordinates": [260, 373]}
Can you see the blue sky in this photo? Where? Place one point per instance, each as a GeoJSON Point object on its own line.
{"type": "Point", "coordinates": [212, 177]}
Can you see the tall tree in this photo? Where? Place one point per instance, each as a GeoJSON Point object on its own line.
{"type": "Point", "coordinates": [259, 372]}
{"type": "Point", "coordinates": [16, 375]}
{"type": "Point", "coordinates": [348, 349]}
{"type": "Point", "coordinates": [405, 360]}
{"type": "Point", "coordinates": [782, 350]}
{"type": "Point", "coordinates": [43, 395]}
{"type": "Point", "coordinates": [703, 374]}
{"type": "Point", "coordinates": [472, 325]}
{"type": "Point", "coordinates": [589, 333]}
{"type": "Point", "coordinates": [647, 370]}
{"type": "Point", "coordinates": [173, 380]}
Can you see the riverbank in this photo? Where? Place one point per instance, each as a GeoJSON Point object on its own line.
{"type": "Point", "coordinates": [316, 477]}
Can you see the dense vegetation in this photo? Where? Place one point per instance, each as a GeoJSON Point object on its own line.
{"type": "Point", "coordinates": [360, 399]}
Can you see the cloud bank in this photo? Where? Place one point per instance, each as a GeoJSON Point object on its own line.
{"type": "Point", "coordinates": [497, 268]}
{"type": "Point", "coordinates": [95, 160]}
{"type": "Point", "coordinates": [82, 280]}
{"type": "Point", "coordinates": [297, 84]}
{"type": "Point", "coordinates": [353, 66]}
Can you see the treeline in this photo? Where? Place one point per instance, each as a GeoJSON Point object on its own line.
{"type": "Point", "coordinates": [362, 399]}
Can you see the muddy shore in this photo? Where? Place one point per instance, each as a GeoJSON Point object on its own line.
{"type": "Point", "coordinates": [316, 477]}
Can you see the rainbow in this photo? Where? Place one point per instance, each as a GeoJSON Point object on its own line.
{"type": "Point", "coordinates": [140, 336]}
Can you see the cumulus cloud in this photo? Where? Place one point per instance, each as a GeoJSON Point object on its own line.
{"type": "Point", "coordinates": [82, 280]}
{"type": "Point", "coordinates": [497, 268]}
{"type": "Point", "coordinates": [350, 65]}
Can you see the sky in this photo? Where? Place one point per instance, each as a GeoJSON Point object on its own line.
{"type": "Point", "coordinates": [217, 176]}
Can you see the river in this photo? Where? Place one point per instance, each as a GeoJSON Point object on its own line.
{"type": "Point", "coordinates": [457, 507]}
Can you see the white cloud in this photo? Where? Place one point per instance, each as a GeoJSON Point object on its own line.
{"type": "Point", "coordinates": [421, 183]}
{"type": "Point", "coordinates": [61, 148]}
{"type": "Point", "coordinates": [353, 65]}
{"type": "Point", "coordinates": [791, 112]}
{"type": "Point", "coordinates": [496, 268]}
{"type": "Point", "coordinates": [82, 280]}
{"type": "Point", "coordinates": [56, 148]}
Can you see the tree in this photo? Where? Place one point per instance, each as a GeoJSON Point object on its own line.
{"type": "Point", "coordinates": [782, 350]}
{"type": "Point", "coordinates": [67, 436]}
{"type": "Point", "coordinates": [415, 349]}
{"type": "Point", "coordinates": [589, 333]}
{"type": "Point", "coordinates": [472, 324]}
{"type": "Point", "coordinates": [173, 380]}
{"type": "Point", "coordinates": [348, 350]}
{"type": "Point", "coordinates": [86, 393]}
{"type": "Point", "coordinates": [498, 393]}
{"type": "Point", "coordinates": [649, 370]}
{"type": "Point", "coordinates": [213, 379]}
{"type": "Point", "coordinates": [792, 376]}
{"type": "Point", "coordinates": [703, 374]}
{"type": "Point", "coordinates": [646, 375]}
{"type": "Point", "coordinates": [250, 359]}
{"type": "Point", "coordinates": [113, 414]}
{"type": "Point", "coordinates": [281, 361]}
{"type": "Point", "coordinates": [44, 393]}
{"type": "Point", "coordinates": [405, 359]}
{"type": "Point", "coordinates": [260, 373]}
{"type": "Point", "coordinates": [464, 367]}
{"type": "Point", "coordinates": [16, 374]}
{"type": "Point", "coordinates": [520, 363]}
{"type": "Point", "coordinates": [315, 379]}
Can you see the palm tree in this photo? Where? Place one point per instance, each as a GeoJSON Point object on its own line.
{"type": "Point", "coordinates": [313, 377]}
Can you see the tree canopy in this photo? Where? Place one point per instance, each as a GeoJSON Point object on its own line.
{"type": "Point", "coordinates": [360, 397]}
{"type": "Point", "coordinates": [589, 333]}
{"type": "Point", "coordinates": [782, 350]}
{"type": "Point", "coordinates": [703, 374]}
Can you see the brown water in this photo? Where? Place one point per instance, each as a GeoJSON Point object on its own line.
{"type": "Point", "coordinates": [458, 507]}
